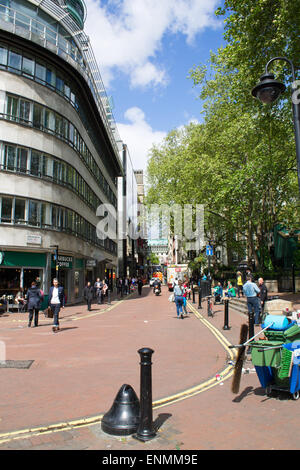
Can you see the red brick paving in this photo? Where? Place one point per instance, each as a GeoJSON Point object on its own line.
{"type": "Point", "coordinates": [77, 373]}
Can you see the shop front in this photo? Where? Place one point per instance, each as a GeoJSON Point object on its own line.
{"type": "Point", "coordinates": [17, 271]}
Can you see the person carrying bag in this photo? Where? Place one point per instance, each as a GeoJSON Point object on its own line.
{"type": "Point", "coordinates": [179, 298]}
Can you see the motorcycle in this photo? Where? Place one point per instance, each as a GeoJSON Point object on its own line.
{"type": "Point", "coordinates": [157, 290]}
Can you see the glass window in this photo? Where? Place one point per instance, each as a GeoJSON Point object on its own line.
{"type": "Point", "coordinates": [47, 166]}
{"type": "Point", "coordinates": [28, 67]}
{"type": "Point", "coordinates": [25, 111]}
{"type": "Point", "coordinates": [3, 56]}
{"type": "Point", "coordinates": [22, 160]}
{"type": "Point", "coordinates": [12, 107]}
{"type": "Point", "coordinates": [40, 73]}
{"type": "Point", "coordinates": [49, 120]}
{"type": "Point", "coordinates": [59, 84]}
{"type": "Point", "coordinates": [56, 170]}
{"type": "Point", "coordinates": [67, 90]}
{"type": "Point", "coordinates": [35, 163]}
{"type": "Point", "coordinates": [9, 157]}
{"type": "Point", "coordinates": [58, 124]}
{"type": "Point", "coordinates": [33, 213]}
{"type": "Point", "coordinates": [14, 60]}
{"type": "Point", "coordinates": [37, 119]}
{"type": "Point", "coordinates": [19, 210]}
{"type": "Point", "coordinates": [6, 209]}
{"type": "Point", "coordinates": [50, 77]}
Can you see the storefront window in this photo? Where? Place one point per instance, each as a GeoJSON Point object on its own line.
{"type": "Point", "coordinates": [9, 281]}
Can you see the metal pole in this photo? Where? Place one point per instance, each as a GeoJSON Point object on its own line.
{"type": "Point", "coordinates": [108, 297]}
{"type": "Point", "coordinates": [251, 327]}
{"type": "Point", "coordinates": [226, 327]}
{"type": "Point", "coordinates": [193, 294]}
{"type": "Point", "coordinates": [293, 279]}
{"type": "Point", "coordinates": [199, 298]}
{"type": "Point", "coordinates": [145, 430]}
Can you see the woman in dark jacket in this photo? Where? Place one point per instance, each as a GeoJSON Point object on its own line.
{"type": "Point", "coordinates": [88, 294]}
{"type": "Point", "coordinates": [34, 297]}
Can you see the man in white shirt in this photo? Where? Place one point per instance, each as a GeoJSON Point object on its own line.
{"type": "Point", "coordinates": [56, 301]}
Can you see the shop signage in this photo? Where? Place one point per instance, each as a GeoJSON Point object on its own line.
{"type": "Point", "coordinates": [63, 261]}
{"type": "Point", "coordinates": [90, 263]}
{"type": "Point", "coordinates": [34, 239]}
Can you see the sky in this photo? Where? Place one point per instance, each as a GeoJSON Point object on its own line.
{"type": "Point", "coordinates": [145, 50]}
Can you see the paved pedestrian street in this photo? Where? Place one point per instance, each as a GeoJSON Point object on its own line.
{"type": "Point", "coordinates": [57, 401]}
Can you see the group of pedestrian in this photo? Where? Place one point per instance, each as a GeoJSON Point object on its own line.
{"type": "Point", "coordinates": [56, 301]}
{"type": "Point", "coordinates": [127, 285]}
{"type": "Point", "coordinates": [256, 296]}
{"type": "Point", "coordinates": [99, 291]}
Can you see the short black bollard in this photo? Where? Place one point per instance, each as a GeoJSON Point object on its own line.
{"type": "Point", "coordinates": [199, 298]}
{"type": "Point", "coordinates": [193, 295]}
{"type": "Point", "coordinates": [108, 297]}
{"type": "Point", "coordinates": [145, 430]}
{"type": "Point", "coordinates": [226, 327]}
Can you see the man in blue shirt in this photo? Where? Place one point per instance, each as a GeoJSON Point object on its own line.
{"type": "Point", "coordinates": [251, 290]}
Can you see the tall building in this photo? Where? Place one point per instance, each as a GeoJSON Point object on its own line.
{"type": "Point", "coordinates": [59, 149]}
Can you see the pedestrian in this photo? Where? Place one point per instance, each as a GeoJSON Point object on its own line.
{"type": "Point", "coordinates": [34, 298]}
{"type": "Point", "coordinates": [98, 290]}
{"type": "Point", "coordinates": [230, 290]}
{"type": "Point", "coordinates": [21, 301]}
{"type": "Point", "coordinates": [263, 295]}
{"type": "Point", "coordinates": [104, 290]}
{"type": "Point", "coordinates": [88, 295]}
{"type": "Point", "coordinates": [178, 294]}
{"type": "Point", "coordinates": [251, 290]}
{"type": "Point", "coordinates": [239, 283]}
{"type": "Point", "coordinates": [56, 301]}
{"type": "Point", "coordinates": [140, 285]}
{"type": "Point", "coordinates": [184, 298]}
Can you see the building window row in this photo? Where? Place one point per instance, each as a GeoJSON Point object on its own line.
{"type": "Point", "coordinates": [29, 113]}
{"type": "Point", "coordinates": [21, 63]}
{"type": "Point", "coordinates": [34, 163]}
{"type": "Point", "coordinates": [44, 215]}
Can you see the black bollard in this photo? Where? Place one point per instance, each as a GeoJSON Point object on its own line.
{"type": "Point", "coordinates": [226, 327]}
{"type": "Point", "coordinates": [123, 417]}
{"type": "Point", "coordinates": [108, 297]}
{"type": "Point", "coordinates": [199, 298]}
{"type": "Point", "coordinates": [193, 295]}
{"type": "Point", "coordinates": [145, 430]}
{"type": "Point", "coordinates": [209, 312]}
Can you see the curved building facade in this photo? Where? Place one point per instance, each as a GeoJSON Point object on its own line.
{"type": "Point", "coordinates": [59, 149]}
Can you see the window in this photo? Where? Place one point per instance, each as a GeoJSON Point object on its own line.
{"type": "Point", "coordinates": [47, 166]}
{"type": "Point", "coordinates": [35, 163]}
{"type": "Point", "coordinates": [49, 120]}
{"type": "Point", "coordinates": [25, 111]}
{"type": "Point", "coordinates": [6, 209]}
{"type": "Point", "coordinates": [59, 85]}
{"type": "Point", "coordinates": [22, 160]}
{"type": "Point", "coordinates": [33, 213]}
{"type": "Point", "coordinates": [40, 73]}
{"type": "Point", "coordinates": [19, 210]}
{"type": "Point", "coordinates": [9, 157]}
{"type": "Point", "coordinates": [58, 125]}
{"type": "Point", "coordinates": [37, 121]}
{"type": "Point", "coordinates": [3, 56]}
{"type": "Point", "coordinates": [56, 170]}
{"type": "Point", "coordinates": [14, 60]}
{"type": "Point", "coordinates": [12, 108]}
{"type": "Point", "coordinates": [28, 67]}
{"type": "Point", "coordinates": [50, 77]}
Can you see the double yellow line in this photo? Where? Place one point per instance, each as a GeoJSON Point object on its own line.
{"type": "Point", "coordinates": [75, 424]}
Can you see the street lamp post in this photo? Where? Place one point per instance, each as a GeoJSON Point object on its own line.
{"type": "Point", "coordinates": [269, 89]}
{"type": "Point", "coordinates": [56, 260]}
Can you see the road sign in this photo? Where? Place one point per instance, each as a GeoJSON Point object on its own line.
{"type": "Point", "coordinates": [209, 250]}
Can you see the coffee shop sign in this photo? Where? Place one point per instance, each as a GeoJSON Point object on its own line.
{"type": "Point", "coordinates": [63, 261]}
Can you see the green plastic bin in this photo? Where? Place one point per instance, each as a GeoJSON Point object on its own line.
{"type": "Point", "coordinates": [269, 357]}
{"type": "Point", "coordinates": [286, 336]}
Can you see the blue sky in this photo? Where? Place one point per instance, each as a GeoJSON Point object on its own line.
{"type": "Point", "coordinates": [145, 49]}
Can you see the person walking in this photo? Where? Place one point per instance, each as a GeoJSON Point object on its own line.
{"type": "Point", "coordinates": [178, 293]}
{"type": "Point", "coordinates": [140, 285]}
{"type": "Point", "coordinates": [251, 290]}
{"type": "Point", "coordinates": [88, 295]}
{"type": "Point", "coordinates": [104, 290]}
{"type": "Point", "coordinates": [98, 290]}
{"type": "Point", "coordinates": [263, 295]}
{"type": "Point", "coordinates": [56, 301]}
{"type": "Point", "coordinates": [34, 298]}
{"type": "Point", "coordinates": [239, 283]}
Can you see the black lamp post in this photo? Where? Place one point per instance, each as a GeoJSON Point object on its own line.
{"type": "Point", "coordinates": [269, 89]}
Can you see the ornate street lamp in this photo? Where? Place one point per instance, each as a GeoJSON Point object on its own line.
{"type": "Point", "coordinates": [269, 89]}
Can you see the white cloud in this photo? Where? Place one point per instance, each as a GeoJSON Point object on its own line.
{"type": "Point", "coordinates": [139, 137]}
{"type": "Point", "coordinates": [127, 34]}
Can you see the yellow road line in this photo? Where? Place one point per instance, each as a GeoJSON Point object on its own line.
{"type": "Point", "coordinates": [69, 425]}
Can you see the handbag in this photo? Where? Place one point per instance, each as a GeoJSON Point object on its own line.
{"type": "Point", "coordinates": [172, 298]}
{"type": "Point", "coordinates": [48, 312]}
